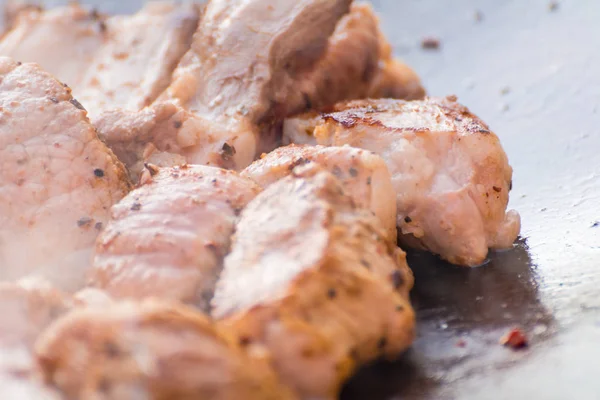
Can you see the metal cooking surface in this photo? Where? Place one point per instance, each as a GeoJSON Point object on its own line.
{"type": "Point", "coordinates": [531, 71]}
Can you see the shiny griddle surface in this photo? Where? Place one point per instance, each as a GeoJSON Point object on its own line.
{"type": "Point", "coordinates": [532, 71]}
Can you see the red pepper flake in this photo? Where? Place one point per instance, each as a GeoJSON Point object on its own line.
{"type": "Point", "coordinates": [430, 43]}
{"type": "Point", "coordinates": [461, 343]}
{"type": "Point", "coordinates": [497, 189]}
{"type": "Point", "coordinates": [514, 338]}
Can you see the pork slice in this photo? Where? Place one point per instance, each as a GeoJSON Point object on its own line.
{"type": "Point", "coordinates": [311, 278]}
{"type": "Point", "coordinates": [364, 176]}
{"type": "Point", "coordinates": [451, 176]}
{"type": "Point", "coordinates": [63, 40]}
{"type": "Point", "coordinates": [246, 56]}
{"type": "Point", "coordinates": [139, 53]}
{"type": "Point", "coordinates": [168, 237]}
{"type": "Point", "coordinates": [151, 350]}
{"type": "Point", "coordinates": [57, 179]}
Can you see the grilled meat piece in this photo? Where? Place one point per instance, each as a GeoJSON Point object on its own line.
{"type": "Point", "coordinates": [168, 237]}
{"type": "Point", "coordinates": [137, 58]}
{"type": "Point", "coordinates": [151, 350]}
{"type": "Point", "coordinates": [450, 173]}
{"type": "Point", "coordinates": [110, 62]}
{"type": "Point", "coordinates": [63, 40]}
{"type": "Point", "coordinates": [312, 278]}
{"type": "Point", "coordinates": [363, 175]}
{"type": "Point", "coordinates": [57, 179]}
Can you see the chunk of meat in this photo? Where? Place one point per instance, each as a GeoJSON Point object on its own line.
{"type": "Point", "coordinates": [312, 278]}
{"type": "Point", "coordinates": [63, 40]}
{"type": "Point", "coordinates": [167, 135]}
{"type": "Point", "coordinates": [449, 170]}
{"type": "Point", "coordinates": [246, 56]}
{"type": "Point", "coordinates": [110, 62]}
{"type": "Point", "coordinates": [57, 179]}
{"type": "Point", "coordinates": [394, 79]}
{"type": "Point", "coordinates": [363, 175]}
{"type": "Point", "coordinates": [27, 308]}
{"type": "Point", "coordinates": [151, 350]}
{"type": "Point", "coordinates": [168, 237]}
{"type": "Point", "coordinates": [138, 56]}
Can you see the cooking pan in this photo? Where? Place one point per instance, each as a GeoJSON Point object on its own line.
{"type": "Point", "coordinates": [531, 70]}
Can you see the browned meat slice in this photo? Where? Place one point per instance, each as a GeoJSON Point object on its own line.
{"type": "Point", "coordinates": [167, 135]}
{"type": "Point", "coordinates": [363, 175]}
{"type": "Point", "coordinates": [138, 57]}
{"type": "Point", "coordinates": [63, 41]}
{"type": "Point", "coordinates": [57, 179]}
{"type": "Point", "coordinates": [450, 173]}
{"type": "Point", "coordinates": [151, 351]}
{"type": "Point", "coordinates": [312, 278]}
{"type": "Point", "coordinates": [168, 238]}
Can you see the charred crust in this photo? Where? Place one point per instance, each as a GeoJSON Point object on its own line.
{"type": "Point", "coordinates": [497, 189]}
{"type": "Point", "coordinates": [99, 173]}
{"type": "Point", "coordinates": [84, 222]}
{"type": "Point", "coordinates": [136, 206]}
{"type": "Point", "coordinates": [53, 99]}
{"type": "Point", "coordinates": [177, 124]}
{"type": "Point", "coordinates": [407, 219]}
{"type": "Point", "coordinates": [227, 151]}
{"type": "Point", "coordinates": [381, 343]}
{"type": "Point", "coordinates": [98, 226]}
{"type": "Point", "coordinates": [297, 162]}
{"type": "Point", "coordinates": [331, 293]}
{"type": "Point", "coordinates": [307, 101]}
{"type": "Point", "coordinates": [365, 263]}
{"type": "Point", "coordinates": [152, 169]}
{"type": "Point", "coordinates": [77, 104]}
{"type": "Point", "coordinates": [397, 279]}
{"type": "Point", "coordinates": [353, 172]}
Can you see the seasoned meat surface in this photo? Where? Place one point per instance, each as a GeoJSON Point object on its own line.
{"type": "Point", "coordinates": [450, 173]}
{"type": "Point", "coordinates": [118, 62]}
{"type": "Point", "coordinates": [57, 179]}
{"type": "Point", "coordinates": [138, 56]}
{"type": "Point", "coordinates": [167, 135]}
{"type": "Point", "coordinates": [151, 350]}
{"type": "Point", "coordinates": [168, 237]}
{"type": "Point", "coordinates": [311, 277]}
{"type": "Point", "coordinates": [363, 175]}
{"type": "Point", "coordinates": [63, 41]}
